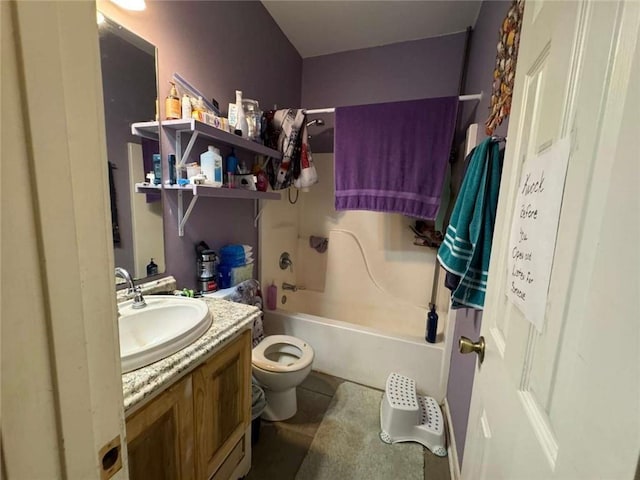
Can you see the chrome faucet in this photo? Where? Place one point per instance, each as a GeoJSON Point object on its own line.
{"type": "Point", "coordinates": [289, 286]}
{"type": "Point", "coordinates": [138, 299]}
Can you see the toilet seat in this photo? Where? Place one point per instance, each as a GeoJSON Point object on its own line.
{"type": "Point", "coordinates": [260, 361]}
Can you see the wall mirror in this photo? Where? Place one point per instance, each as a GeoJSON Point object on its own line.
{"type": "Point", "coordinates": [130, 87]}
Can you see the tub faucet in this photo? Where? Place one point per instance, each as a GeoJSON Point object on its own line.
{"type": "Point", "coordinates": [289, 286]}
{"type": "Point", "coordinates": [138, 299]}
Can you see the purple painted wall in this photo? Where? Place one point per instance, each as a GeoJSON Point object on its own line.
{"type": "Point", "coordinates": [468, 322]}
{"type": "Point", "coordinates": [219, 47]}
{"type": "Point", "coordinates": [129, 89]}
{"type": "Point", "coordinates": [482, 58]}
{"type": "Point", "coordinates": [402, 71]}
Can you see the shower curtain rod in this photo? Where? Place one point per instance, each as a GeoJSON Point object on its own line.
{"type": "Point", "coordinates": [461, 98]}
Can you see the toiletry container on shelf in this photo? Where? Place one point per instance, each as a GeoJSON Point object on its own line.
{"type": "Point", "coordinates": [232, 167]}
{"type": "Point", "coordinates": [157, 169]}
{"type": "Point", "coordinates": [253, 115]}
{"type": "Point", "coordinates": [241, 120]}
{"type": "Point", "coordinates": [172, 104]}
{"type": "Point", "coordinates": [186, 107]}
{"type": "Point", "coordinates": [211, 165]}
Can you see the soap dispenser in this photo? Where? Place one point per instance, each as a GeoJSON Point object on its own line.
{"type": "Point", "coordinates": [152, 268]}
{"type": "Point", "coordinates": [172, 104]}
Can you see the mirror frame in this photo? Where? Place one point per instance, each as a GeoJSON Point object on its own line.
{"type": "Point", "coordinates": [129, 262]}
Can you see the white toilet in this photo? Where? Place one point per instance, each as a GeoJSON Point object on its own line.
{"type": "Point", "coordinates": [281, 363]}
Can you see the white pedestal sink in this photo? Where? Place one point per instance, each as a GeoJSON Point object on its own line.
{"type": "Point", "coordinates": [166, 325]}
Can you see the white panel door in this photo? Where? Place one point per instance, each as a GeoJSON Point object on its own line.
{"type": "Point", "coordinates": [565, 402]}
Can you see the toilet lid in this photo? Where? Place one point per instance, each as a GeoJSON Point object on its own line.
{"type": "Point", "coordinates": [260, 361]}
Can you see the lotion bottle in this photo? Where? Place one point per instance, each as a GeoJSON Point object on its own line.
{"type": "Point", "coordinates": [186, 107]}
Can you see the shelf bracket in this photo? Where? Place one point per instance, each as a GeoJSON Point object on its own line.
{"type": "Point", "coordinates": [185, 155]}
{"type": "Point", "coordinates": [183, 217]}
{"type": "Point", "coordinates": [258, 208]}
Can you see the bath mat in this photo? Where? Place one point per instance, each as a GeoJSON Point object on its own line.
{"type": "Point", "coordinates": [347, 444]}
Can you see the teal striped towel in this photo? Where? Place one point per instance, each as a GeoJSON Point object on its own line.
{"type": "Point", "coordinates": [466, 249]}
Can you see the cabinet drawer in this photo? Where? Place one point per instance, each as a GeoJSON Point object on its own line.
{"type": "Point", "coordinates": [231, 462]}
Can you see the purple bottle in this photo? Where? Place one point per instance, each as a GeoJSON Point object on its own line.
{"type": "Point", "coordinates": [272, 296]}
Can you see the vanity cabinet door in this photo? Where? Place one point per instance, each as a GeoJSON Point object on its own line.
{"type": "Point", "coordinates": [160, 436]}
{"type": "Point", "coordinates": [222, 404]}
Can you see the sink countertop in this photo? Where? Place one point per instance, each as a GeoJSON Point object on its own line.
{"type": "Point", "coordinates": [144, 383]}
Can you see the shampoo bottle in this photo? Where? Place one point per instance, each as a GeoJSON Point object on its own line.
{"type": "Point", "coordinates": [272, 296]}
{"type": "Point", "coordinates": [157, 169]}
{"type": "Point", "coordinates": [172, 104]}
{"type": "Point", "coordinates": [171, 160]}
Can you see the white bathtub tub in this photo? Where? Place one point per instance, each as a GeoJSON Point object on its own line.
{"type": "Point", "coordinates": [361, 354]}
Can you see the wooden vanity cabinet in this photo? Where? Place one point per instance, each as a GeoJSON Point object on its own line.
{"type": "Point", "coordinates": [220, 424]}
{"type": "Point", "coordinates": [160, 436]}
{"type": "Point", "coordinates": [196, 428]}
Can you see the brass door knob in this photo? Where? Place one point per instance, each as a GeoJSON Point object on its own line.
{"type": "Point", "coordinates": [467, 346]}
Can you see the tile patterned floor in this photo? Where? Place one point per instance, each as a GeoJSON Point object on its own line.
{"type": "Point", "coordinates": [283, 445]}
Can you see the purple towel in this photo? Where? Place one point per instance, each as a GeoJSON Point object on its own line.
{"type": "Point", "coordinates": [392, 157]}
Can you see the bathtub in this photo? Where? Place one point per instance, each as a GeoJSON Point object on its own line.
{"type": "Point", "coordinates": [363, 355]}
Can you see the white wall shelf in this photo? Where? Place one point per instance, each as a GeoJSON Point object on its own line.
{"type": "Point", "coordinates": [146, 130]}
{"type": "Point", "coordinates": [201, 130]}
{"type": "Point", "coordinates": [148, 188]}
{"type": "Point", "coordinates": [223, 192]}
{"type": "Point", "coordinates": [218, 192]}
{"type": "Point", "coordinates": [217, 136]}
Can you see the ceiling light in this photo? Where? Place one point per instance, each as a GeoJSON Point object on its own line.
{"type": "Point", "coordinates": [136, 5]}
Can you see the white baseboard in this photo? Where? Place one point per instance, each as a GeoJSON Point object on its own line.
{"type": "Point", "coordinates": [452, 451]}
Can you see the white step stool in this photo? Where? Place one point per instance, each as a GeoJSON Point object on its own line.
{"type": "Point", "coordinates": [408, 417]}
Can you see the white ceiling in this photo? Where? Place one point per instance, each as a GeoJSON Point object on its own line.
{"type": "Point", "coordinates": [323, 27]}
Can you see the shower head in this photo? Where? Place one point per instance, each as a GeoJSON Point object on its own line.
{"type": "Point", "coordinates": [317, 121]}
